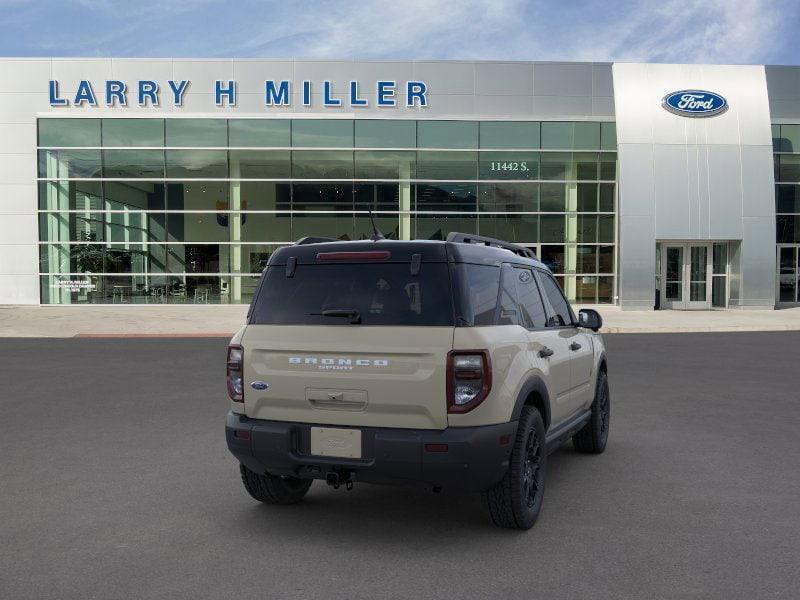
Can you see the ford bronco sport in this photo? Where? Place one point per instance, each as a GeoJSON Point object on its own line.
{"type": "Point", "coordinates": [454, 364]}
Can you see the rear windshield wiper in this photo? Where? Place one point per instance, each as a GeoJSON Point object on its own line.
{"type": "Point", "coordinates": [353, 315]}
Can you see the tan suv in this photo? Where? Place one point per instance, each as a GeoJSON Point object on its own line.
{"type": "Point", "coordinates": [454, 364]}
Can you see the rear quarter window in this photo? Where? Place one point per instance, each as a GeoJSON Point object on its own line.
{"type": "Point", "coordinates": [381, 293]}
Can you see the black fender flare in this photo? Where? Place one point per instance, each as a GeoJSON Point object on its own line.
{"type": "Point", "coordinates": [533, 384]}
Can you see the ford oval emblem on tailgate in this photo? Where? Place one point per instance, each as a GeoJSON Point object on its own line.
{"type": "Point", "coordinates": [259, 385]}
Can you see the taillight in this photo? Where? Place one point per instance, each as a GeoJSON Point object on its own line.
{"type": "Point", "coordinates": [235, 375]}
{"type": "Point", "coordinates": [469, 379]}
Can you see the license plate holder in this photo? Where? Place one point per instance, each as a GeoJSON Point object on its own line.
{"type": "Point", "coordinates": [336, 442]}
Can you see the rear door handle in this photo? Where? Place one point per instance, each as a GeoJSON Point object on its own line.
{"type": "Point", "coordinates": [545, 352]}
{"type": "Point", "coordinates": [574, 346]}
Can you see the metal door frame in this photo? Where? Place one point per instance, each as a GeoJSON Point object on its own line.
{"type": "Point", "coordinates": [686, 249]}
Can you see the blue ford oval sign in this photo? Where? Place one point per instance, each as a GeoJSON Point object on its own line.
{"type": "Point", "coordinates": [695, 103]}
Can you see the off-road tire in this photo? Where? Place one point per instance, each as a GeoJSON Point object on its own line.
{"type": "Point", "coordinates": [592, 438]}
{"type": "Point", "coordinates": [516, 501]}
{"type": "Point", "coordinates": [271, 489]}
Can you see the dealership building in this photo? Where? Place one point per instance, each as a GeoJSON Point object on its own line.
{"type": "Point", "coordinates": [152, 181]}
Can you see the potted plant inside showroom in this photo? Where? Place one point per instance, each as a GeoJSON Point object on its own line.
{"type": "Point", "coordinates": [89, 260]}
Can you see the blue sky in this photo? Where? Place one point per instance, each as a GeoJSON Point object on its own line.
{"type": "Point", "coordinates": [711, 31]}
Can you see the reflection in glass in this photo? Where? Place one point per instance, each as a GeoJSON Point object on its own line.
{"type": "Point", "coordinates": [385, 164]}
{"type": "Point", "coordinates": [64, 164]}
{"type": "Point", "coordinates": [383, 133]}
{"type": "Point", "coordinates": [197, 164]}
{"type": "Point", "coordinates": [258, 133]}
{"type": "Point", "coordinates": [65, 133]}
{"type": "Point", "coordinates": [132, 164]}
{"type": "Point", "coordinates": [509, 134]}
{"type": "Point", "coordinates": [509, 197]}
{"type": "Point", "coordinates": [322, 164]}
{"type": "Point", "coordinates": [447, 134]}
{"type": "Point", "coordinates": [133, 132]}
{"type": "Point", "coordinates": [322, 133]}
{"type": "Point", "coordinates": [198, 133]}
{"type": "Point", "coordinates": [447, 165]}
{"type": "Point", "coordinates": [260, 164]}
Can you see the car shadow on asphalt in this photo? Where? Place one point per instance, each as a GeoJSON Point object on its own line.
{"type": "Point", "coordinates": [394, 512]}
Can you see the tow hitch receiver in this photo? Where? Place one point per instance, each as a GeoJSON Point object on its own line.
{"type": "Point", "coordinates": [337, 478]}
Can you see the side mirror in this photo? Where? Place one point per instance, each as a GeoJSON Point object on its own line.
{"type": "Point", "coordinates": [590, 319]}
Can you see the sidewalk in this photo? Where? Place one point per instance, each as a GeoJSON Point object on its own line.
{"type": "Point", "coordinates": [222, 321]}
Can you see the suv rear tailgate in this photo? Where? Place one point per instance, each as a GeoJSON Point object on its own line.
{"type": "Point", "coordinates": [390, 376]}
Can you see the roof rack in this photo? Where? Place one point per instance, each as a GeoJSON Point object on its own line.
{"type": "Point", "coordinates": [311, 239]}
{"type": "Point", "coordinates": [469, 238]}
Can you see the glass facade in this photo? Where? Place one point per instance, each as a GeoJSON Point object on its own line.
{"type": "Point", "coordinates": [786, 148]}
{"type": "Point", "coordinates": [189, 210]}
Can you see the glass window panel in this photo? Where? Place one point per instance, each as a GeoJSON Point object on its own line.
{"type": "Point", "coordinates": [718, 292]}
{"type": "Point", "coordinates": [134, 195]}
{"type": "Point", "coordinates": [322, 164]}
{"type": "Point", "coordinates": [608, 136]}
{"type": "Point", "coordinates": [587, 259]}
{"type": "Point", "coordinates": [509, 165]}
{"type": "Point", "coordinates": [70, 195]}
{"type": "Point", "coordinates": [198, 289]}
{"type": "Point", "coordinates": [438, 227]}
{"type": "Point", "coordinates": [101, 258]}
{"type": "Point", "coordinates": [557, 135]}
{"type": "Point", "coordinates": [587, 136]}
{"type": "Point", "coordinates": [259, 133]}
{"type": "Point", "coordinates": [556, 165]}
{"type": "Point", "coordinates": [605, 290]}
{"type": "Point", "coordinates": [605, 259]}
{"type": "Point", "coordinates": [446, 197]}
{"type": "Point", "coordinates": [263, 195]}
{"type": "Point", "coordinates": [381, 196]}
{"type": "Point", "coordinates": [132, 164]}
{"type": "Point", "coordinates": [788, 229]}
{"type": "Point", "coordinates": [605, 229]}
{"type": "Point", "coordinates": [606, 197]}
{"type": "Point", "coordinates": [387, 223]}
{"type": "Point", "coordinates": [508, 197]}
{"type": "Point", "coordinates": [197, 163]}
{"type": "Point", "coordinates": [133, 132]}
{"type": "Point", "coordinates": [321, 196]}
{"type": "Point", "coordinates": [447, 165]}
{"type": "Point", "coordinates": [196, 132]}
{"type": "Point", "coordinates": [63, 164]}
{"type": "Point", "coordinates": [776, 138]}
{"type": "Point", "coordinates": [199, 227]}
{"type": "Point", "coordinates": [587, 197]}
{"type": "Point", "coordinates": [382, 133]}
{"type": "Point", "coordinates": [790, 138]}
{"type": "Point", "coordinates": [266, 227]}
{"type": "Point", "coordinates": [553, 257]}
{"type": "Point", "coordinates": [322, 133]}
{"type": "Point", "coordinates": [447, 134]}
{"type": "Point", "coordinates": [198, 195]}
{"type": "Point", "coordinates": [256, 256]}
{"type": "Point", "coordinates": [134, 227]}
{"type": "Point", "coordinates": [585, 165]}
{"type": "Point", "coordinates": [69, 132]}
{"type": "Point", "coordinates": [385, 164]}
{"type": "Point", "coordinates": [517, 228]}
{"type": "Point", "coordinates": [509, 134]}
{"type": "Point", "coordinates": [75, 227]}
{"type": "Point", "coordinates": [533, 314]}
{"type": "Point", "coordinates": [260, 164]}
{"type": "Point", "coordinates": [134, 258]}
{"type": "Point", "coordinates": [720, 262]}
{"type": "Point", "coordinates": [198, 258]}
{"type": "Point", "coordinates": [553, 228]}
{"type": "Point", "coordinates": [587, 229]}
{"type": "Point", "coordinates": [787, 264]}
{"type": "Point", "coordinates": [608, 166]}
{"type": "Point", "coordinates": [553, 197]}
{"type": "Point", "coordinates": [586, 289]}
{"type": "Point", "coordinates": [787, 198]}
{"type": "Point", "coordinates": [338, 225]}
{"type": "Point", "coordinates": [789, 170]}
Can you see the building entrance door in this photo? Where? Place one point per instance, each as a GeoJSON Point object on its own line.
{"type": "Point", "coordinates": [686, 275]}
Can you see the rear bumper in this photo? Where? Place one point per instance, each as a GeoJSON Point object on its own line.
{"type": "Point", "coordinates": [476, 457]}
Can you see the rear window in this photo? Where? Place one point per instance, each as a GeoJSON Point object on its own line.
{"type": "Point", "coordinates": [380, 293]}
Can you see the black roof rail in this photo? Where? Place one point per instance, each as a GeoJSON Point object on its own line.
{"type": "Point", "coordinates": [311, 239]}
{"type": "Point", "coordinates": [469, 238]}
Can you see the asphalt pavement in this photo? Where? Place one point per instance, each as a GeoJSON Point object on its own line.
{"type": "Point", "coordinates": [115, 482]}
